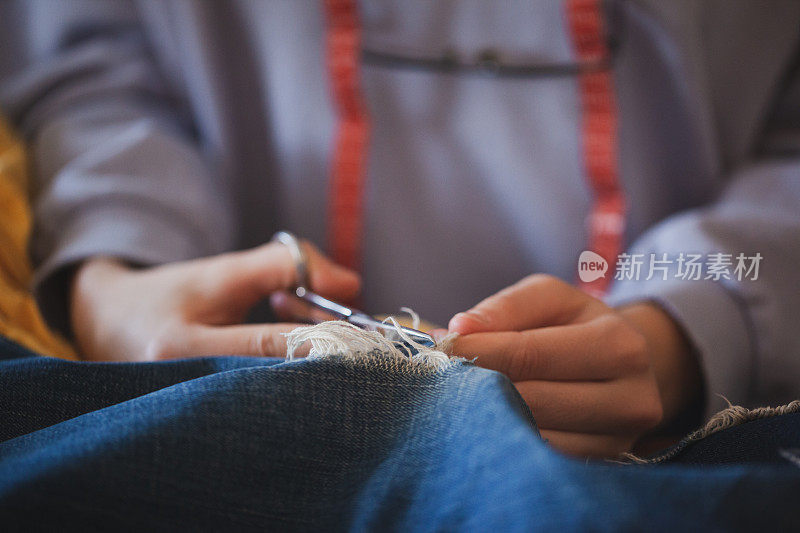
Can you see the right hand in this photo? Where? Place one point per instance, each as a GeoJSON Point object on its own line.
{"type": "Point", "coordinates": [192, 308]}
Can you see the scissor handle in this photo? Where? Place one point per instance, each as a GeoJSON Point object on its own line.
{"type": "Point", "coordinates": [298, 255]}
{"type": "Point", "coordinates": [323, 303]}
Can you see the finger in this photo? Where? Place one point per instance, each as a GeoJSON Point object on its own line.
{"type": "Point", "coordinates": [252, 274]}
{"type": "Point", "coordinates": [438, 334]}
{"type": "Point", "coordinates": [585, 445]}
{"type": "Point", "coordinates": [261, 340]}
{"type": "Point", "coordinates": [328, 278]}
{"type": "Point", "coordinates": [536, 301]}
{"type": "Point", "coordinates": [620, 406]}
{"type": "Point", "coordinates": [595, 350]}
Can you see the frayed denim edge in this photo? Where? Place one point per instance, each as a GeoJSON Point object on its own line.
{"type": "Point", "coordinates": [341, 340]}
{"type": "Point", "coordinates": [733, 415]}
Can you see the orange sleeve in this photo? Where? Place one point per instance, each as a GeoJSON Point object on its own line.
{"type": "Point", "coordinates": [20, 319]}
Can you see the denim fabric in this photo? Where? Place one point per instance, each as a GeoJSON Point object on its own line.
{"type": "Point", "coordinates": [253, 444]}
{"type": "Point", "coordinates": [769, 440]}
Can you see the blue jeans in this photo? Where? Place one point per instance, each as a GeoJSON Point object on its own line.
{"type": "Point", "coordinates": [252, 444]}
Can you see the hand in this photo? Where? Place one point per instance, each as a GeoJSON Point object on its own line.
{"type": "Point", "coordinates": [595, 378]}
{"type": "Point", "coordinates": [191, 308]}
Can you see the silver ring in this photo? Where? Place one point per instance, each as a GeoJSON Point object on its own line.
{"type": "Point", "coordinates": [299, 257]}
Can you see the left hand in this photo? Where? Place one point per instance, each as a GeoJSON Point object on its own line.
{"type": "Point", "coordinates": [192, 308]}
{"type": "Point", "coordinates": [595, 378]}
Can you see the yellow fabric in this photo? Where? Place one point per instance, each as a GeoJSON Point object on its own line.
{"type": "Point", "coordinates": [20, 319]}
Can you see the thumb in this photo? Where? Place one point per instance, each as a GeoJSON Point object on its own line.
{"type": "Point", "coordinates": [536, 301]}
{"type": "Point", "coordinates": [328, 278]}
{"type": "Point", "coordinates": [250, 275]}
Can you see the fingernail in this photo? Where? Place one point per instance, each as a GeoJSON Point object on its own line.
{"type": "Point", "coordinates": [468, 322]}
{"type": "Point", "coordinates": [345, 272]}
{"type": "Point", "coordinates": [476, 316]}
{"type": "Point", "coordinates": [341, 268]}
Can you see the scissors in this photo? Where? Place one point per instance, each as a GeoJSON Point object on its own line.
{"type": "Point", "coordinates": [337, 310]}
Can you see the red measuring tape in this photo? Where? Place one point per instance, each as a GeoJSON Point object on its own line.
{"type": "Point", "coordinates": [599, 131]}
{"type": "Point", "coordinates": [599, 134]}
{"type": "Point", "coordinates": [348, 167]}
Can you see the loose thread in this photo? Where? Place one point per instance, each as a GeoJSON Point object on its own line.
{"type": "Point", "coordinates": [343, 339]}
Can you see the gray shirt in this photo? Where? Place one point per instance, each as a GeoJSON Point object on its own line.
{"type": "Point", "coordinates": [165, 130]}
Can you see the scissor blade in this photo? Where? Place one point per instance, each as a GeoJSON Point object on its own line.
{"type": "Point", "coordinates": [359, 318]}
{"type": "Point", "coordinates": [367, 322]}
{"type": "Point", "coordinates": [336, 309]}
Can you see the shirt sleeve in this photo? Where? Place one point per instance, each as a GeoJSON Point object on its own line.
{"type": "Point", "coordinates": [744, 325]}
{"type": "Point", "coordinates": [744, 330]}
{"type": "Point", "coordinates": [117, 171]}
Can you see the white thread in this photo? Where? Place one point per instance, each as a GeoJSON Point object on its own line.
{"type": "Point", "coordinates": [414, 316]}
{"type": "Point", "coordinates": [343, 339]}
